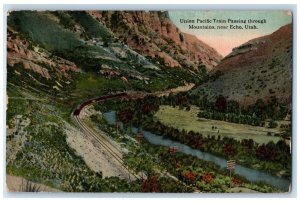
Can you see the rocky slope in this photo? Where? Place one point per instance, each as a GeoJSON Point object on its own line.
{"type": "Point", "coordinates": [132, 47]}
{"type": "Point", "coordinates": [154, 35]}
{"type": "Point", "coordinates": [34, 58]}
{"type": "Point", "coordinates": [260, 68]}
{"type": "Point", "coordinates": [57, 60]}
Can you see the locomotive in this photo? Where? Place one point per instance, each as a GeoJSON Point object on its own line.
{"type": "Point", "coordinates": [78, 109]}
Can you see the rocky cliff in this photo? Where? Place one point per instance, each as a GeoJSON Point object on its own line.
{"type": "Point", "coordinates": [34, 58]}
{"type": "Point", "coordinates": [154, 35]}
{"type": "Point", "coordinates": [136, 44]}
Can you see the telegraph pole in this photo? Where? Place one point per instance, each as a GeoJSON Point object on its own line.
{"type": "Point", "coordinates": [230, 166]}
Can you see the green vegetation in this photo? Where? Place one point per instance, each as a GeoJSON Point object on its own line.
{"type": "Point", "coordinates": [65, 20]}
{"type": "Point", "coordinates": [189, 121]}
{"type": "Point", "coordinates": [231, 111]}
{"type": "Point", "coordinates": [91, 26]}
{"type": "Point", "coordinates": [193, 173]}
{"type": "Point", "coordinates": [253, 150]}
{"type": "Point", "coordinates": [272, 124]}
{"type": "Point", "coordinates": [40, 29]}
{"type": "Point", "coordinates": [45, 156]}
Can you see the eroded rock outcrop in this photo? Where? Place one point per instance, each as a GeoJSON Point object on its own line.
{"type": "Point", "coordinates": [154, 35]}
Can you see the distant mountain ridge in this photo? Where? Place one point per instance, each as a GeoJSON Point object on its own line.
{"type": "Point", "coordinates": [258, 69]}
{"type": "Point", "coordinates": [257, 48]}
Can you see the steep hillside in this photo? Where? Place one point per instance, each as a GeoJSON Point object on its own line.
{"type": "Point", "coordinates": [55, 61]}
{"type": "Point", "coordinates": [258, 69]}
{"type": "Point", "coordinates": [154, 35]}
{"type": "Point", "coordinates": [134, 50]}
{"type": "Point", "coordinates": [35, 59]}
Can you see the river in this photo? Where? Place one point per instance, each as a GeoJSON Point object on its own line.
{"type": "Point", "coordinates": [250, 174]}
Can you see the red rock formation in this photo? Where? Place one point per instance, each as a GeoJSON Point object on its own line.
{"type": "Point", "coordinates": [153, 34]}
{"type": "Point", "coordinates": [19, 51]}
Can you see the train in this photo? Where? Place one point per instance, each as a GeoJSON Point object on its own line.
{"type": "Point", "coordinates": [80, 107]}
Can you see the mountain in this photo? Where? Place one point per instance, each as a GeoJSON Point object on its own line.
{"type": "Point", "coordinates": [134, 50]}
{"type": "Point", "coordinates": [258, 69]}
{"type": "Point", "coordinates": [36, 59]}
{"type": "Point", "coordinates": [153, 34]}
{"type": "Point", "coordinates": [57, 60]}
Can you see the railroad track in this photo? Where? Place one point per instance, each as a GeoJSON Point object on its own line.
{"type": "Point", "coordinates": [106, 145]}
{"type": "Point", "coordinates": [101, 139]}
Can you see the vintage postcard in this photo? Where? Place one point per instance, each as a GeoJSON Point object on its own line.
{"type": "Point", "coordinates": [149, 101]}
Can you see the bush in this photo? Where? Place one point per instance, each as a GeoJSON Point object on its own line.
{"type": "Point", "coordinates": [273, 124]}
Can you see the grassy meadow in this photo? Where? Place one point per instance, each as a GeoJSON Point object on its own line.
{"type": "Point", "coordinates": [188, 120]}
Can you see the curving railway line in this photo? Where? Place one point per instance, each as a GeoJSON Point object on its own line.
{"type": "Point", "coordinates": [102, 140]}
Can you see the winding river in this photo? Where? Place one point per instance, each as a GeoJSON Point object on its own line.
{"type": "Point", "coordinates": [250, 174]}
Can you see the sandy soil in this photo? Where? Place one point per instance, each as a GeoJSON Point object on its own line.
{"type": "Point", "coordinates": [178, 89]}
{"type": "Point", "coordinates": [95, 157]}
{"type": "Point", "coordinates": [14, 184]}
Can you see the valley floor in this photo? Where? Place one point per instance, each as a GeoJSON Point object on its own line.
{"type": "Point", "coordinates": [188, 120]}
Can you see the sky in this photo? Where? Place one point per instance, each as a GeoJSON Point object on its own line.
{"type": "Point", "coordinates": [224, 40]}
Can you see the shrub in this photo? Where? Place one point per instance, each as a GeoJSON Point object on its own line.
{"type": "Point", "coordinates": [273, 124]}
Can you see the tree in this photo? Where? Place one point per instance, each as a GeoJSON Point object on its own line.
{"type": "Point", "coordinates": [248, 145]}
{"type": "Point", "coordinates": [207, 177]}
{"type": "Point", "coordinates": [229, 150]}
{"type": "Point", "coordinates": [189, 176]}
{"type": "Point", "coordinates": [221, 104]}
{"type": "Point", "coordinates": [151, 184]}
{"type": "Point", "coordinates": [233, 106]}
{"type": "Point", "coordinates": [259, 108]}
{"type": "Point", "coordinates": [188, 108]}
{"type": "Point", "coordinates": [273, 124]}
